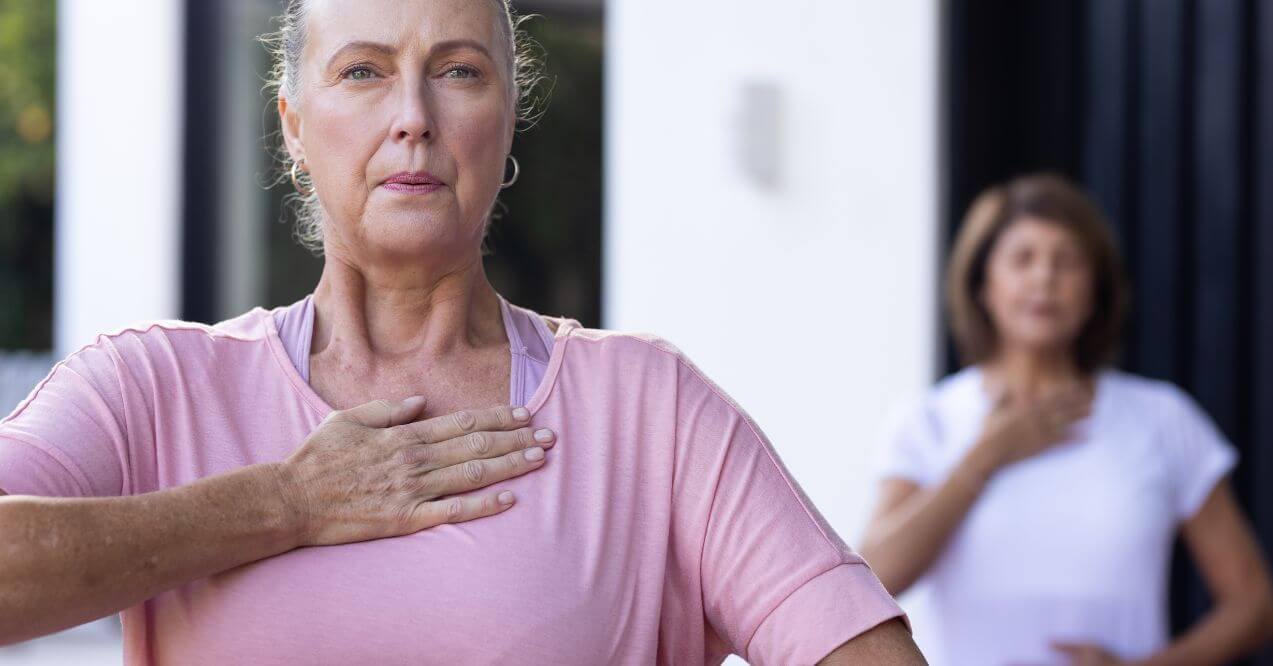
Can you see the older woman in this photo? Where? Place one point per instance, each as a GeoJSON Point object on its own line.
{"type": "Point", "coordinates": [1038, 491]}
{"type": "Point", "coordinates": [234, 491]}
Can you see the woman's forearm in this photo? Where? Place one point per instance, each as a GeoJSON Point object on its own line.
{"type": "Point", "coordinates": [905, 542]}
{"type": "Point", "coordinates": [64, 562]}
{"type": "Point", "coordinates": [1231, 629]}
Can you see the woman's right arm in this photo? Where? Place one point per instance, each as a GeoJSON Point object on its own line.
{"type": "Point", "coordinates": [912, 524]}
{"type": "Point", "coordinates": [370, 472]}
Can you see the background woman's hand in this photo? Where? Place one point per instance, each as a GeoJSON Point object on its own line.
{"type": "Point", "coordinates": [375, 471]}
{"type": "Point", "coordinates": [1087, 654]}
{"type": "Point", "coordinates": [1017, 429]}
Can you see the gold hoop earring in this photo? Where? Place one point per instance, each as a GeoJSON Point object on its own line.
{"type": "Point", "coordinates": [296, 181]}
{"type": "Point", "coordinates": [517, 173]}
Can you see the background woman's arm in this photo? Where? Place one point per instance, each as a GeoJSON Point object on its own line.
{"type": "Point", "coordinates": [911, 525]}
{"type": "Point", "coordinates": [1224, 547]}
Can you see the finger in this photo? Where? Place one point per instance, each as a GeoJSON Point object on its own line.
{"type": "Point", "coordinates": [1076, 651]}
{"type": "Point", "coordinates": [384, 413]}
{"type": "Point", "coordinates": [1000, 396]}
{"type": "Point", "coordinates": [476, 474]}
{"type": "Point", "coordinates": [1072, 413]}
{"type": "Point", "coordinates": [463, 422]}
{"type": "Point", "coordinates": [461, 509]}
{"type": "Point", "coordinates": [477, 446]}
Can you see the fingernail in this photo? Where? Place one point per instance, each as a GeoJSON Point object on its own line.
{"type": "Point", "coordinates": [505, 498]}
{"type": "Point", "coordinates": [535, 455]}
{"type": "Point", "coordinates": [544, 435]}
{"type": "Point", "coordinates": [521, 413]}
{"type": "Point", "coordinates": [414, 401]}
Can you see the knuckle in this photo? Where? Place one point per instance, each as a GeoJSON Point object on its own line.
{"type": "Point", "coordinates": [408, 433]}
{"type": "Point", "coordinates": [420, 455]}
{"type": "Point", "coordinates": [423, 432]}
{"type": "Point", "coordinates": [525, 438]}
{"type": "Point", "coordinates": [426, 488]}
{"type": "Point", "coordinates": [474, 472]}
{"type": "Point", "coordinates": [479, 444]}
{"type": "Point", "coordinates": [454, 510]}
{"type": "Point", "coordinates": [465, 421]}
{"type": "Point", "coordinates": [405, 520]}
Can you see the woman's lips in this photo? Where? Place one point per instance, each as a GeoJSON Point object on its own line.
{"type": "Point", "coordinates": [413, 182]}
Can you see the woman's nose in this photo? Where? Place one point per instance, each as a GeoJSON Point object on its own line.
{"type": "Point", "coordinates": [1046, 273]}
{"type": "Point", "coordinates": [413, 120]}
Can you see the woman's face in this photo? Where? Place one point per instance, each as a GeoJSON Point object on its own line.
{"type": "Point", "coordinates": [1039, 286]}
{"type": "Point", "coordinates": [404, 118]}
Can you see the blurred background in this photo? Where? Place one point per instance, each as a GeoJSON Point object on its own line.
{"type": "Point", "coordinates": [719, 173]}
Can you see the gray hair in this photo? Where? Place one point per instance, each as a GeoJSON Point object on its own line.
{"type": "Point", "coordinates": [525, 65]}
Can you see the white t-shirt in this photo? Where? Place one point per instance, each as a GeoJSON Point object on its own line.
{"type": "Point", "coordinates": [1073, 544]}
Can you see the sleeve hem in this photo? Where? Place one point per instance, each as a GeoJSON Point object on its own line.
{"type": "Point", "coordinates": [71, 471]}
{"type": "Point", "coordinates": [821, 615]}
{"type": "Point", "coordinates": [1214, 471]}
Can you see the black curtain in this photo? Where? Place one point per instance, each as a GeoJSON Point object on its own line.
{"type": "Point", "coordinates": [1163, 109]}
{"type": "Point", "coordinates": [203, 150]}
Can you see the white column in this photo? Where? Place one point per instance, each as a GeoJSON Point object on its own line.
{"type": "Point", "coordinates": [119, 169]}
{"type": "Point", "coordinates": [772, 209]}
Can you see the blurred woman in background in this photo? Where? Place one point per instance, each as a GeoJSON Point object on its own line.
{"type": "Point", "coordinates": [1040, 491]}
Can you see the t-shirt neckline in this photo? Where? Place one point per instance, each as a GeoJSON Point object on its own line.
{"type": "Point", "coordinates": [1100, 389]}
{"type": "Point", "coordinates": [562, 336]}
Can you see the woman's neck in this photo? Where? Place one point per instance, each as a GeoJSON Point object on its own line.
{"type": "Point", "coordinates": [1031, 373]}
{"type": "Point", "coordinates": [404, 313]}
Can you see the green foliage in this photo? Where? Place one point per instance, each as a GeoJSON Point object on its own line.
{"type": "Point", "coordinates": [27, 67]}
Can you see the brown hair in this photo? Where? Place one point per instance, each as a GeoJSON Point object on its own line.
{"type": "Point", "coordinates": [1055, 199]}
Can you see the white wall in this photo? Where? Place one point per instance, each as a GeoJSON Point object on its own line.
{"type": "Point", "coordinates": [119, 122]}
{"type": "Point", "coordinates": [118, 217]}
{"type": "Point", "coordinates": [812, 301]}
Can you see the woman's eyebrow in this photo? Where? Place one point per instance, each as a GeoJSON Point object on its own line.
{"type": "Point", "coordinates": [388, 50]}
{"type": "Point", "coordinates": [457, 44]}
{"type": "Point", "coordinates": [378, 47]}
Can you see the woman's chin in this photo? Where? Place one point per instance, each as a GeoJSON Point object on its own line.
{"type": "Point", "coordinates": [1043, 343]}
{"type": "Point", "coordinates": [418, 237]}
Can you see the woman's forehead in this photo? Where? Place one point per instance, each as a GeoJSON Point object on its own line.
{"type": "Point", "coordinates": [401, 23]}
{"type": "Point", "coordinates": [1034, 229]}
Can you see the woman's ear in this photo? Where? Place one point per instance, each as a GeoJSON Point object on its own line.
{"type": "Point", "coordinates": [290, 122]}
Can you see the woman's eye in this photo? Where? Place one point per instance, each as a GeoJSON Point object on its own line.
{"type": "Point", "coordinates": [359, 73]}
{"type": "Point", "coordinates": [459, 72]}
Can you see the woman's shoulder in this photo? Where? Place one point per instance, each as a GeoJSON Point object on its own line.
{"type": "Point", "coordinates": [960, 392]}
{"type": "Point", "coordinates": [247, 327]}
{"type": "Point", "coordinates": [610, 346]}
{"type": "Point", "coordinates": [1145, 398]}
{"type": "Point", "coordinates": [138, 357]}
{"type": "Point", "coordinates": [150, 341]}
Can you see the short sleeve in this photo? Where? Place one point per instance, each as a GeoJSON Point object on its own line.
{"type": "Point", "coordinates": [909, 446]}
{"type": "Point", "coordinates": [778, 586]}
{"type": "Point", "coordinates": [68, 437]}
{"type": "Point", "coordinates": [1198, 454]}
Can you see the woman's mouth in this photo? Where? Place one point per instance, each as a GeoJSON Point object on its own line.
{"type": "Point", "coordinates": [413, 182]}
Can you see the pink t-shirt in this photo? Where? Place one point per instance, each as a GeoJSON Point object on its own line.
{"type": "Point", "coordinates": [663, 527]}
